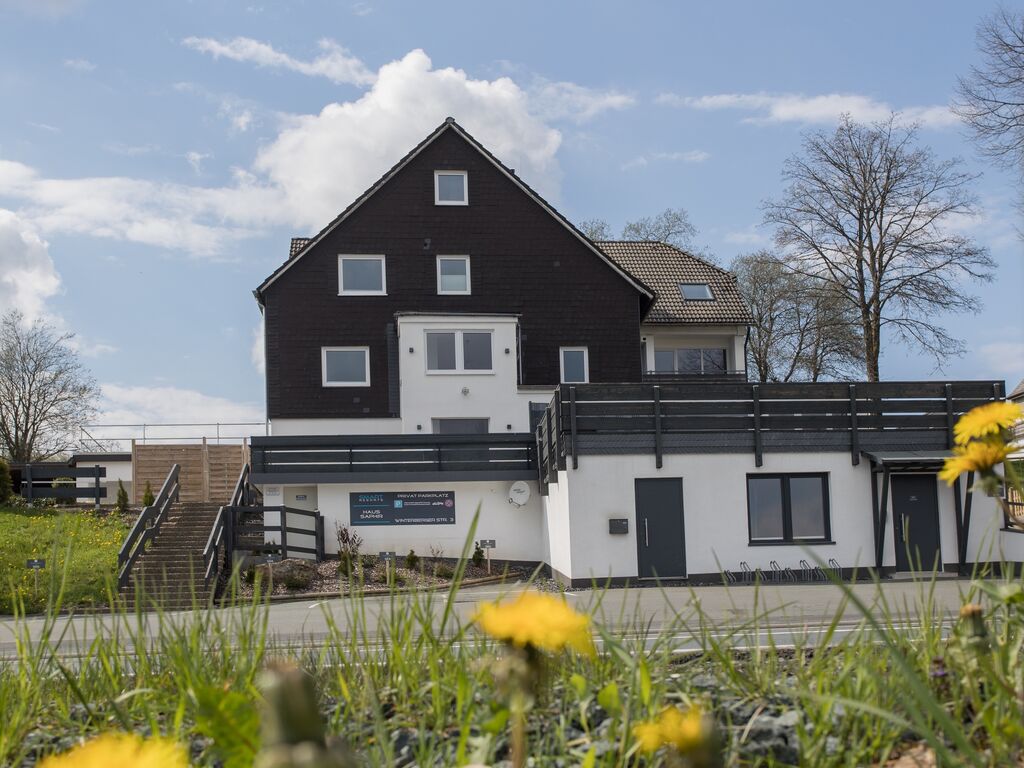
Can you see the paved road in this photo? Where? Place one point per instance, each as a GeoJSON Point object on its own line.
{"type": "Point", "coordinates": [789, 613]}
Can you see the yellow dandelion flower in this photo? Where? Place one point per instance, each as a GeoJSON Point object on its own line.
{"type": "Point", "coordinates": [683, 731]}
{"type": "Point", "coordinates": [986, 421]}
{"type": "Point", "coordinates": [976, 456]}
{"type": "Point", "coordinates": [121, 750]}
{"type": "Point", "coordinates": [542, 621]}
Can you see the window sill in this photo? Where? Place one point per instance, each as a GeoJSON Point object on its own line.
{"type": "Point", "coordinates": [795, 543]}
{"type": "Point", "coordinates": [363, 293]}
{"type": "Point", "coordinates": [335, 385]}
{"type": "Point", "coordinates": [460, 373]}
{"type": "Point", "coordinates": [1008, 529]}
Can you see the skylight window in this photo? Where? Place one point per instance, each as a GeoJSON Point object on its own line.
{"type": "Point", "coordinates": [695, 292]}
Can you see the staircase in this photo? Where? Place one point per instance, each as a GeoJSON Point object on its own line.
{"type": "Point", "coordinates": [169, 573]}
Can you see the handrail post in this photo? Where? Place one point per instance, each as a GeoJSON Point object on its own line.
{"type": "Point", "coordinates": [26, 480]}
{"type": "Point", "coordinates": [758, 457]}
{"type": "Point", "coordinates": [96, 485]}
{"type": "Point", "coordinates": [572, 427]}
{"type": "Point", "coordinates": [657, 427]}
{"type": "Point", "coordinates": [320, 553]}
{"type": "Point", "coordinates": [284, 532]}
{"type": "Point", "coordinates": [854, 429]}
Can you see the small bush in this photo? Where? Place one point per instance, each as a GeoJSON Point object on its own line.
{"type": "Point", "coordinates": [349, 543]}
{"type": "Point", "coordinates": [444, 571]}
{"type": "Point", "coordinates": [148, 499]}
{"type": "Point", "coordinates": [368, 562]}
{"type": "Point", "coordinates": [121, 506]}
{"type": "Point", "coordinates": [5, 481]}
{"type": "Point", "coordinates": [412, 560]}
{"type": "Point", "coordinates": [478, 557]}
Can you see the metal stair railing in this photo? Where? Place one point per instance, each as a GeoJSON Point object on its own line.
{"type": "Point", "coordinates": [147, 527]}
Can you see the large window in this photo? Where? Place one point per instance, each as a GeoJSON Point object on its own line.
{"type": "Point", "coordinates": [459, 352]}
{"type": "Point", "coordinates": [345, 366]}
{"type": "Point", "coordinates": [453, 275]}
{"type": "Point", "coordinates": [690, 360]}
{"type": "Point", "coordinates": [451, 188]}
{"type": "Point", "coordinates": [575, 365]}
{"type": "Point", "coordinates": [361, 276]}
{"type": "Point", "coordinates": [788, 508]}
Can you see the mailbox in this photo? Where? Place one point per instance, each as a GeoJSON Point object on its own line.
{"type": "Point", "coordinates": [618, 525]}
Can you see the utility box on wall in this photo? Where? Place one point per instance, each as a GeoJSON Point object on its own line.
{"type": "Point", "coordinates": [618, 525]}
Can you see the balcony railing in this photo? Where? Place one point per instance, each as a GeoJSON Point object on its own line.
{"type": "Point", "coordinates": [372, 458]}
{"type": "Point", "coordinates": [751, 418]}
{"type": "Point", "coordinates": [711, 377]}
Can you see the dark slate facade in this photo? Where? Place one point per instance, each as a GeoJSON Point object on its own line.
{"type": "Point", "coordinates": [524, 261]}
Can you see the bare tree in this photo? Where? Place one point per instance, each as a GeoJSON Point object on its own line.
{"type": "Point", "coordinates": [45, 392]}
{"type": "Point", "coordinates": [798, 331]}
{"type": "Point", "coordinates": [868, 216]}
{"type": "Point", "coordinates": [595, 229]}
{"type": "Point", "coordinates": [671, 226]}
{"type": "Point", "coordinates": [991, 98]}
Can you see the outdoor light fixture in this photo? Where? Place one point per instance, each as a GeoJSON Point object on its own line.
{"type": "Point", "coordinates": [465, 390]}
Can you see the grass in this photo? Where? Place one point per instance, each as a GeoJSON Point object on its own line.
{"type": "Point", "coordinates": [78, 545]}
{"type": "Point", "coordinates": [407, 679]}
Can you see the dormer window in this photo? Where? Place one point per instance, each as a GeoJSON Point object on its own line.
{"type": "Point", "coordinates": [451, 188]}
{"type": "Point", "coordinates": [695, 292]}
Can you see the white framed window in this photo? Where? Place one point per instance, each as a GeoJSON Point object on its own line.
{"type": "Point", "coordinates": [362, 276]}
{"type": "Point", "coordinates": [691, 360]}
{"type": "Point", "coordinates": [459, 352]}
{"type": "Point", "coordinates": [453, 275]}
{"type": "Point", "coordinates": [575, 365]}
{"type": "Point", "coordinates": [345, 366]}
{"type": "Point", "coordinates": [451, 188]}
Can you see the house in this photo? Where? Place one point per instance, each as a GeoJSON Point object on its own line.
{"type": "Point", "coordinates": [451, 343]}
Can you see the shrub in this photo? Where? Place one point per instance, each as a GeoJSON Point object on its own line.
{"type": "Point", "coordinates": [368, 562]}
{"type": "Point", "coordinates": [412, 560]}
{"type": "Point", "coordinates": [5, 481]}
{"type": "Point", "coordinates": [148, 499]}
{"type": "Point", "coordinates": [64, 482]}
{"type": "Point", "coordinates": [121, 506]}
{"type": "Point", "coordinates": [349, 543]}
{"type": "Point", "coordinates": [478, 557]}
{"type": "Point", "coordinates": [444, 571]}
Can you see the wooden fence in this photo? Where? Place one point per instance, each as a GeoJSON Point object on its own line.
{"type": "Point", "coordinates": [208, 472]}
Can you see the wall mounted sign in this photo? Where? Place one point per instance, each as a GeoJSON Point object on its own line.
{"type": "Point", "coordinates": [402, 508]}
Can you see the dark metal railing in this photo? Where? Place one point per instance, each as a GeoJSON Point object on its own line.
{"type": "Point", "coordinates": [371, 458]}
{"type": "Point", "coordinates": [219, 543]}
{"type": "Point", "coordinates": [751, 417]}
{"type": "Point", "coordinates": [710, 377]}
{"type": "Point", "coordinates": [147, 527]}
{"type": "Point", "coordinates": [46, 481]}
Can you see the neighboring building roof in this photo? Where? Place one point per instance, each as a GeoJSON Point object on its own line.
{"type": "Point", "coordinates": [300, 246]}
{"type": "Point", "coordinates": [99, 457]}
{"type": "Point", "coordinates": [1018, 392]}
{"type": "Point", "coordinates": [664, 267]}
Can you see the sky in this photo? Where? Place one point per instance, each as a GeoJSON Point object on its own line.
{"type": "Point", "coordinates": [155, 158]}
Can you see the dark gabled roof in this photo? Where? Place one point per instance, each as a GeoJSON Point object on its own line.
{"type": "Point", "coordinates": [301, 246]}
{"type": "Point", "coordinates": [664, 267]}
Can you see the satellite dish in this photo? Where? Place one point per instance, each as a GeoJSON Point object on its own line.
{"type": "Point", "coordinates": [519, 493]}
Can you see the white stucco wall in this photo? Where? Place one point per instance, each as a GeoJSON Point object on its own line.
{"type": "Point", "coordinates": [715, 514]}
{"type": "Point", "coordinates": [494, 396]}
{"type": "Point", "coordinates": [732, 338]}
{"type": "Point", "coordinates": [518, 532]}
{"type": "Point", "coordinates": [556, 519]}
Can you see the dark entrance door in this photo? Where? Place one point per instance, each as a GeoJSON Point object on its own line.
{"type": "Point", "coordinates": [661, 542]}
{"type": "Point", "coordinates": [915, 512]}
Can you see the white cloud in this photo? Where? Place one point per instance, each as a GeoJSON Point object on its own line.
{"type": "Point", "coordinates": [79, 65]}
{"type": "Point", "coordinates": [257, 352]}
{"type": "Point", "coordinates": [1005, 358]}
{"type": "Point", "coordinates": [362, 9]}
{"type": "Point", "coordinates": [129, 150]}
{"type": "Point", "coordinates": [45, 127]}
{"type": "Point", "coordinates": [323, 162]}
{"type": "Point", "coordinates": [195, 159]}
{"type": "Point", "coordinates": [27, 274]}
{"type": "Point", "coordinates": [314, 167]}
{"type": "Point", "coordinates": [121, 404]}
{"type": "Point", "coordinates": [799, 108]}
{"type": "Point", "coordinates": [334, 63]}
{"type": "Point", "coordinates": [570, 101]}
{"type": "Point", "coordinates": [642, 161]}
